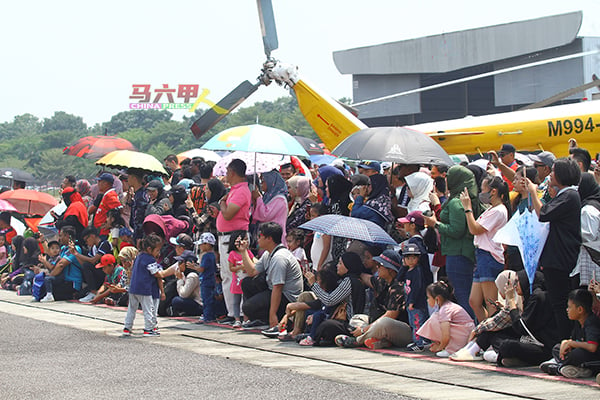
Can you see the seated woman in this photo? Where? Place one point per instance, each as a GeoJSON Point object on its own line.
{"type": "Point", "coordinates": [188, 300]}
{"type": "Point", "coordinates": [26, 257]}
{"type": "Point", "coordinates": [450, 326]}
{"type": "Point", "coordinates": [299, 191]}
{"type": "Point", "coordinates": [373, 202]}
{"type": "Point", "coordinates": [349, 291]}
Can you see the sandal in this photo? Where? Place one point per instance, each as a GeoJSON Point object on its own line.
{"type": "Point", "coordinates": [307, 341]}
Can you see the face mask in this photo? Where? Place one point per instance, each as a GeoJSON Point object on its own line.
{"type": "Point", "coordinates": [485, 198]}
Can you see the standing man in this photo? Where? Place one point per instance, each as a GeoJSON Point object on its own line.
{"type": "Point", "coordinates": [172, 164]}
{"type": "Point", "coordinates": [234, 215]}
{"type": "Point", "coordinates": [287, 171]}
{"type": "Point", "coordinates": [110, 200]}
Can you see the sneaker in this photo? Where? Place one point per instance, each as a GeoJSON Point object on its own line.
{"type": "Point", "coordinates": [169, 311]}
{"type": "Point", "coordinates": [546, 364]}
{"type": "Point", "coordinates": [376, 344]}
{"type": "Point", "coordinates": [153, 332]}
{"type": "Point", "coordinates": [307, 341]}
{"type": "Point", "coordinates": [226, 320]}
{"type": "Point", "coordinates": [47, 298]}
{"type": "Point", "coordinates": [253, 324]}
{"type": "Point", "coordinates": [443, 354]}
{"type": "Point", "coordinates": [571, 371]}
{"type": "Point", "coordinates": [490, 356]}
{"type": "Point", "coordinates": [237, 324]}
{"type": "Point", "coordinates": [512, 362]}
{"type": "Point", "coordinates": [87, 298]}
{"type": "Point", "coordinates": [465, 355]}
{"type": "Point", "coordinates": [414, 347]}
{"type": "Point", "coordinates": [598, 379]}
{"type": "Point", "coordinates": [126, 332]}
{"type": "Point", "coordinates": [271, 332]}
{"type": "Point", "coordinates": [346, 341]}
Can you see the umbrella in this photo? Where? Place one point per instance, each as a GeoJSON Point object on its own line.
{"type": "Point", "coordinates": [208, 155]}
{"type": "Point", "coordinates": [132, 159]}
{"type": "Point", "coordinates": [349, 227]}
{"type": "Point", "coordinates": [94, 147]}
{"type": "Point", "coordinates": [6, 206]}
{"type": "Point", "coordinates": [29, 201]}
{"type": "Point", "coordinates": [15, 174]}
{"type": "Point", "coordinates": [255, 163]}
{"type": "Point", "coordinates": [395, 144]}
{"type": "Point", "coordinates": [322, 159]}
{"type": "Point", "coordinates": [257, 139]}
{"type": "Point", "coordinates": [309, 145]}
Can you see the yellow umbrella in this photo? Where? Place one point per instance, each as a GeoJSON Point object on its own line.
{"type": "Point", "coordinates": [132, 159]}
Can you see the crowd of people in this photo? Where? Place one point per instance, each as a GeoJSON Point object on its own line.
{"type": "Point", "coordinates": [233, 250]}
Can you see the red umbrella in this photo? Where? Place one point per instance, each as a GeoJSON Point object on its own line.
{"type": "Point", "coordinates": [29, 202]}
{"type": "Point", "coordinates": [95, 147]}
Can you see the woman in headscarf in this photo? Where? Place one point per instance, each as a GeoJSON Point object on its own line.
{"type": "Point", "coordinates": [272, 205]}
{"type": "Point", "coordinates": [350, 292]}
{"type": "Point", "coordinates": [158, 204]}
{"type": "Point", "coordinates": [177, 197]}
{"type": "Point", "coordinates": [17, 251]}
{"type": "Point", "coordinates": [26, 256]}
{"type": "Point", "coordinates": [420, 186]}
{"type": "Point", "coordinates": [214, 190]}
{"type": "Point", "coordinates": [455, 238]}
{"type": "Point", "coordinates": [76, 214]}
{"type": "Point", "coordinates": [338, 191]}
{"type": "Point", "coordinates": [589, 193]}
{"type": "Point", "coordinates": [324, 173]}
{"type": "Point", "coordinates": [378, 206]}
{"type": "Point", "coordinates": [85, 190]}
{"type": "Point", "coordinates": [298, 189]}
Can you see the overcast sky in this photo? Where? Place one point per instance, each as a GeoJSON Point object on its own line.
{"type": "Point", "coordinates": [83, 57]}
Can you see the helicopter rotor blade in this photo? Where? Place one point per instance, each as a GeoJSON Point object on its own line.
{"type": "Point", "coordinates": [267, 26]}
{"type": "Point", "coordinates": [219, 111]}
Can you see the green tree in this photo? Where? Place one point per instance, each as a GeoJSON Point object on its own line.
{"type": "Point", "coordinates": [22, 125]}
{"type": "Point", "coordinates": [136, 119]}
{"type": "Point", "coordinates": [61, 121]}
{"type": "Point", "coordinates": [54, 165]}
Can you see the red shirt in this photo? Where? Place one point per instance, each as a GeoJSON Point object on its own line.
{"type": "Point", "coordinates": [110, 200]}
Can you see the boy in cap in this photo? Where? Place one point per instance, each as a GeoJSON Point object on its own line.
{"type": "Point", "coordinates": [207, 269]}
{"type": "Point", "coordinates": [543, 164]}
{"type": "Point", "coordinates": [116, 277]}
{"type": "Point", "coordinates": [414, 225]}
{"type": "Point", "coordinates": [369, 168]}
{"type": "Point", "coordinates": [415, 289]}
{"type": "Point", "coordinates": [505, 161]}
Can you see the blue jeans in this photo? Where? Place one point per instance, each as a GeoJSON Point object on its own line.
{"type": "Point", "coordinates": [186, 305]}
{"type": "Point", "coordinates": [460, 274]}
{"type": "Point", "coordinates": [208, 302]}
{"type": "Point", "coordinates": [416, 319]}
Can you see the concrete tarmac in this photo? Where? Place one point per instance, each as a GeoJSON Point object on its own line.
{"type": "Point", "coordinates": [75, 351]}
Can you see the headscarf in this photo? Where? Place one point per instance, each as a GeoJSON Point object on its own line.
{"type": "Point", "coordinates": [589, 191]}
{"type": "Point", "coordinates": [526, 287]}
{"type": "Point", "coordinates": [276, 186]}
{"type": "Point", "coordinates": [302, 186]}
{"type": "Point", "coordinates": [353, 263]}
{"type": "Point", "coordinates": [459, 178]}
{"type": "Point", "coordinates": [70, 195]}
{"type": "Point", "coordinates": [339, 191]}
{"type": "Point", "coordinates": [17, 242]}
{"type": "Point", "coordinates": [33, 251]}
{"type": "Point", "coordinates": [503, 278]}
{"type": "Point", "coordinates": [420, 185]}
{"type": "Point", "coordinates": [379, 198]}
{"type": "Point", "coordinates": [83, 187]}
{"type": "Point", "coordinates": [75, 206]}
{"type": "Point", "coordinates": [158, 186]}
{"type": "Point", "coordinates": [217, 190]}
{"type": "Point", "coordinates": [355, 267]}
{"type": "Point", "coordinates": [478, 173]}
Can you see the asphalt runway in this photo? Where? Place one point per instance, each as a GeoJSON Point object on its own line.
{"type": "Point", "coordinates": [41, 360]}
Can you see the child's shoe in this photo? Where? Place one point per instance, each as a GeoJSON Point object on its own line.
{"type": "Point", "coordinates": [153, 332]}
{"type": "Point", "coordinates": [126, 332]}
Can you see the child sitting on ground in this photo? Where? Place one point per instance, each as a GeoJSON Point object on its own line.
{"type": "Point", "coordinates": [145, 286]}
{"type": "Point", "coordinates": [49, 259]}
{"type": "Point", "coordinates": [236, 266]}
{"type": "Point", "coordinates": [207, 269]}
{"type": "Point", "coordinates": [583, 345]}
{"type": "Point", "coordinates": [116, 278]}
{"type": "Point", "coordinates": [415, 289]}
{"type": "Point", "coordinates": [448, 327]}
{"type": "Point", "coordinates": [3, 251]}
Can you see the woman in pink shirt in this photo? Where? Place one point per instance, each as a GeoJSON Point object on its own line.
{"type": "Point", "coordinates": [272, 206]}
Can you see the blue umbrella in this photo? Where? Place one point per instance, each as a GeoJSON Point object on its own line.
{"type": "Point", "coordinates": [349, 227]}
{"type": "Point", "coordinates": [256, 139]}
{"type": "Point", "coordinates": [321, 159]}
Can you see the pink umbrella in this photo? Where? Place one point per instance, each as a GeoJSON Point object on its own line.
{"type": "Point", "coordinates": [255, 162]}
{"type": "Point", "coordinates": [6, 206]}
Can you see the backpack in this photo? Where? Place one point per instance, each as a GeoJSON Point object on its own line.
{"type": "Point", "coordinates": [38, 291]}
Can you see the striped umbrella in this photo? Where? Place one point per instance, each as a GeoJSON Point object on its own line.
{"type": "Point", "coordinates": [95, 147]}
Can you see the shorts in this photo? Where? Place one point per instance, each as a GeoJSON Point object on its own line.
{"type": "Point", "coordinates": [487, 267]}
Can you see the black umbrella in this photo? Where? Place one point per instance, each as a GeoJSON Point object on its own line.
{"type": "Point", "coordinates": [394, 144]}
{"type": "Point", "coordinates": [309, 145]}
{"type": "Point", "coordinates": [15, 174]}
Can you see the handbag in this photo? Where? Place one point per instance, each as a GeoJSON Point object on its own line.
{"type": "Point", "coordinates": [340, 312]}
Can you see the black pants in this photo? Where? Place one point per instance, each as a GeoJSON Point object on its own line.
{"type": "Point", "coordinates": [92, 276]}
{"type": "Point", "coordinates": [257, 300]}
{"type": "Point", "coordinates": [495, 339]}
{"type": "Point", "coordinates": [574, 357]}
{"type": "Point", "coordinates": [529, 353]}
{"type": "Point", "coordinates": [329, 329]}
{"type": "Point", "coordinates": [558, 287]}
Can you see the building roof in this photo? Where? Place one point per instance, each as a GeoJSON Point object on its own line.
{"type": "Point", "coordinates": [456, 50]}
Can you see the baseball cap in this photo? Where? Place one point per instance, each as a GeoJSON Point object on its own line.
{"type": "Point", "coordinates": [187, 255]}
{"type": "Point", "coordinates": [410, 248]}
{"type": "Point", "coordinates": [415, 217]}
{"type": "Point", "coordinates": [389, 259]}
{"type": "Point", "coordinates": [183, 239]}
{"type": "Point", "coordinates": [207, 237]}
{"type": "Point", "coordinates": [374, 165]}
{"type": "Point", "coordinates": [359, 180]}
{"type": "Point", "coordinates": [545, 157]}
{"type": "Point", "coordinates": [507, 148]}
{"type": "Point", "coordinates": [105, 176]}
{"type": "Point", "coordinates": [107, 259]}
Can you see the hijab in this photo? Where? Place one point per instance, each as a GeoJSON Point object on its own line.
{"type": "Point", "coordinates": [355, 266]}
{"type": "Point", "coordinates": [83, 187]}
{"type": "Point", "coordinates": [75, 206]}
{"type": "Point", "coordinates": [70, 195]}
{"type": "Point", "coordinates": [276, 186]}
{"type": "Point", "coordinates": [339, 191]}
{"type": "Point", "coordinates": [459, 178]}
{"type": "Point", "coordinates": [589, 191]}
{"type": "Point", "coordinates": [302, 186]}
{"type": "Point", "coordinates": [18, 244]}
{"type": "Point", "coordinates": [503, 278]}
{"type": "Point", "coordinates": [217, 190]}
{"type": "Point", "coordinates": [420, 185]}
{"type": "Point", "coordinates": [379, 198]}
{"type": "Point", "coordinates": [353, 263]}
{"type": "Point", "coordinates": [33, 251]}
{"type": "Point", "coordinates": [526, 287]}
